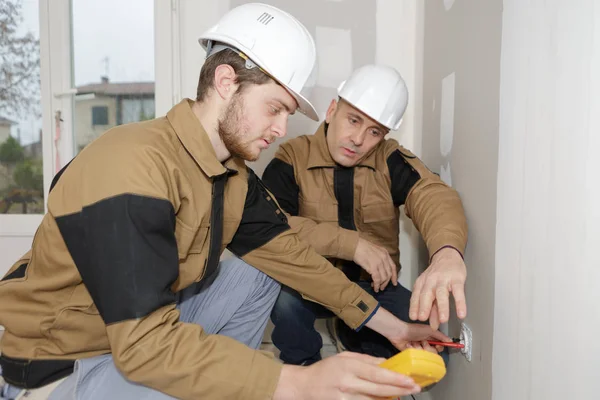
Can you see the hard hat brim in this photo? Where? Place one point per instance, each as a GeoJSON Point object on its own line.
{"type": "Point", "coordinates": [304, 106]}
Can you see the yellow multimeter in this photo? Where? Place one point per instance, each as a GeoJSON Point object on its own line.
{"type": "Point", "coordinates": [424, 367]}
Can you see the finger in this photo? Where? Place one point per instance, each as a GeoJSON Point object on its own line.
{"type": "Point", "coordinates": [387, 276]}
{"type": "Point", "coordinates": [437, 335]}
{"type": "Point", "coordinates": [383, 376]}
{"type": "Point", "coordinates": [421, 332]}
{"type": "Point", "coordinates": [357, 388]}
{"type": "Point", "coordinates": [362, 357]}
{"type": "Point", "coordinates": [361, 397]}
{"type": "Point", "coordinates": [426, 346]}
{"type": "Point", "coordinates": [385, 269]}
{"type": "Point", "coordinates": [394, 271]}
{"type": "Point", "coordinates": [426, 300]}
{"type": "Point", "coordinates": [370, 389]}
{"type": "Point", "coordinates": [434, 320]}
{"type": "Point", "coordinates": [413, 312]}
{"type": "Point", "coordinates": [416, 345]}
{"type": "Point", "coordinates": [458, 291]}
{"type": "Point", "coordinates": [443, 303]}
{"type": "Point", "coordinates": [388, 265]}
{"type": "Point", "coordinates": [382, 276]}
{"type": "Point", "coordinates": [376, 279]}
{"type": "Point", "coordinates": [384, 285]}
{"type": "Point", "coordinates": [439, 349]}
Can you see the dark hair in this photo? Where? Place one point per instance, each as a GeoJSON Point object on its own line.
{"type": "Point", "coordinates": [244, 76]}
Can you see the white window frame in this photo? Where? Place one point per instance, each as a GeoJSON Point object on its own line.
{"type": "Point", "coordinates": [167, 53]}
{"type": "Point", "coordinates": [56, 68]}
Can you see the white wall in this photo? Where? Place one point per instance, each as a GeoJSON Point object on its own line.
{"type": "Point", "coordinates": [11, 248]}
{"type": "Point", "coordinates": [16, 235]}
{"type": "Point", "coordinates": [547, 314]}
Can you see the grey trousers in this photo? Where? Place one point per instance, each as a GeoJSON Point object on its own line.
{"type": "Point", "coordinates": [235, 301]}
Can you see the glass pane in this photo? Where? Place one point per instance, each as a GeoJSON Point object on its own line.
{"type": "Point", "coordinates": [21, 173]}
{"type": "Point", "coordinates": [113, 66]}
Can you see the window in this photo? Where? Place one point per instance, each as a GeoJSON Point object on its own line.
{"type": "Point", "coordinates": [93, 64]}
{"type": "Point", "coordinates": [99, 115]}
{"type": "Point", "coordinates": [113, 72]}
{"type": "Point", "coordinates": [21, 170]}
{"type": "Point", "coordinates": [137, 109]}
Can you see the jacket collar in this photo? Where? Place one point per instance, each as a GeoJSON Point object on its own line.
{"type": "Point", "coordinates": [194, 138]}
{"type": "Point", "coordinates": [319, 156]}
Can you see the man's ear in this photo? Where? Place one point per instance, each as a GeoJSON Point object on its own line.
{"type": "Point", "coordinates": [224, 84]}
{"type": "Point", "coordinates": [331, 110]}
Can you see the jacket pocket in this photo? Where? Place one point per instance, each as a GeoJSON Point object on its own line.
{"type": "Point", "coordinates": [320, 212]}
{"type": "Point", "coordinates": [192, 252]}
{"type": "Point", "coordinates": [190, 240]}
{"type": "Point", "coordinates": [76, 325]}
{"type": "Point", "coordinates": [379, 212]}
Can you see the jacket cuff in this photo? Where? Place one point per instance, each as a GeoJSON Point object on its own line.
{"type": "Point", "coordinates": [263, 377]}
{"type": "Point", "coordinates": [368, 318]}
{"type": "Point", "coordinates": [348, 240]}
{"type": "Point", "coordinates": [446, 241]}
{"type": "Point", "coordinates": [359, 311]}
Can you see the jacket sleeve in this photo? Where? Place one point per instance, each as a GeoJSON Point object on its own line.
{"type": "Point", "coordinates": [328, 240]}
{"type": "Point", "coordinates": [123, 243]}
{"type": "Point", "coordinates": [265, 240]}
{"type": "Point", "coordinates": [434, 207]}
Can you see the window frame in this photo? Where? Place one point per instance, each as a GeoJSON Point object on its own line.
{"type": "Point", "coordinates": [57, 93]}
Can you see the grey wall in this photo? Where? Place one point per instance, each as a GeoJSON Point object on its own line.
{"type": "Point", "coordinates": [461, 77]}
{"type": "Point", "coordinates": [344, 32]}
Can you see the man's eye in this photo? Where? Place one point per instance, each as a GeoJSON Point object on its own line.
{"type": "Point", "coordinates": [353, 121]}
{"type": "Point", "coordinates": [274, 110]}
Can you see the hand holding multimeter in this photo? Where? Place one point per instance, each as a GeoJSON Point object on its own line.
{"type": "Point", "coordinates": [424, 367]}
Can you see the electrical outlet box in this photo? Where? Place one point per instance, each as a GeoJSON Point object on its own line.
{"type": "Point", "coordinates": [466, 338]}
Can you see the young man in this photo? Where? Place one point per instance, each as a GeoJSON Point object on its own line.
{"type": "Point", "coordinates": [347, 183]}
{"type": "Point", "coordinates": [122, 295]}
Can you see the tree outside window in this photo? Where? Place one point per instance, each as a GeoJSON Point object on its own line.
{"type": "Point", "coordinates": [21, 177]}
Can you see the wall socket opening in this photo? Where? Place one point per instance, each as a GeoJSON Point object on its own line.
{"type": "Point", "coordinates": [466, 338]}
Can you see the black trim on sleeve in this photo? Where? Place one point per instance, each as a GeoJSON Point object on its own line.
{"type": "Point", "coordinates": [17, 273]}
{"type": "Point", "coordinates": [403, 177]}
{"type": "Point", "coordinates": [262, 219]}
{"type": "Point", "coordinates": [279, 178]}
{"type": "Point", "coordinates": [58, 175]}
{"type": "Point", "coordinates": [125, 250]}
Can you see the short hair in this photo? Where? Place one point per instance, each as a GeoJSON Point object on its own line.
{"type": "Point", "coordinates": [244, 76]}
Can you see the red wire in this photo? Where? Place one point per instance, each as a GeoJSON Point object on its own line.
{"type": "Point", "coordinates": [446, 344]}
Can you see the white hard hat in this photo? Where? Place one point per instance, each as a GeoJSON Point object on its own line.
{"type": "Point", "coordinates": [378, 91]}
{"type": "Point", "coordinates": [275, 41]}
